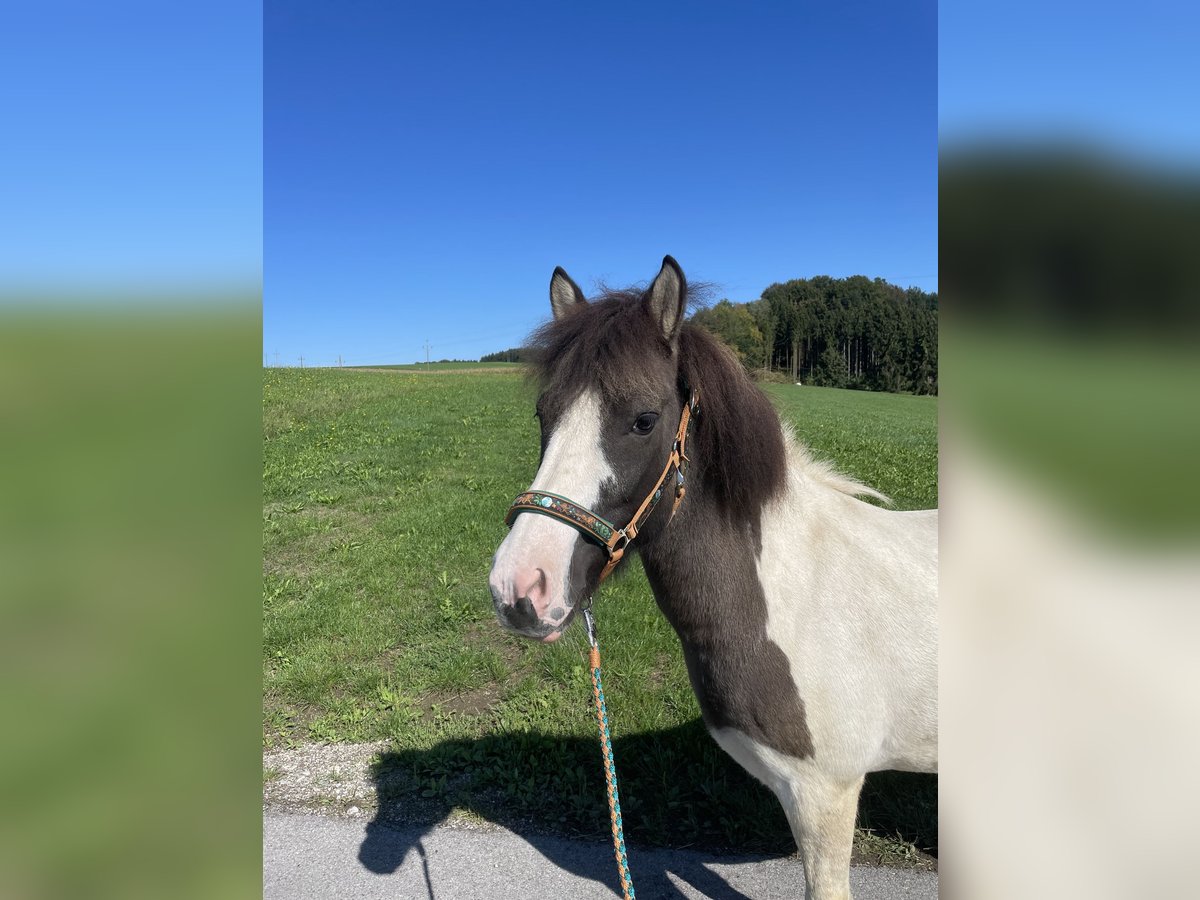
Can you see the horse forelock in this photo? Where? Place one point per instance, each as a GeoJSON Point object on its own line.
{"type": "Point", "coordinates": [613, 345]}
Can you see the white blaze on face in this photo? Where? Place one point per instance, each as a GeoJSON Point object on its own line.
{"type": "Point", "coordinates": [574, 467]}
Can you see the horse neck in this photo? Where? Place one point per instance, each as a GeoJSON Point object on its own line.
{"type": "Point", "coordinates": [703, 568]}
{"type": "Point", "coordinates": [703, 565]}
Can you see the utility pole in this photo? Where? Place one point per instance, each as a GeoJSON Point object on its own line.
{"type": "Point", "coordinates": [302, 362]}
{"type": "Point", "coordinates": [277, 359]}
{"type": "Point", "coordinates": [427, 350]}
{"type": "Point", "coordinates": [339, 360]}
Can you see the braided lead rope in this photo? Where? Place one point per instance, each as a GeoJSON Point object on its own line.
{"type": "Point", "coordinates": [610, 767]}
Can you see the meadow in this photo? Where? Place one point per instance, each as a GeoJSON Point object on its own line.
{"type": "Point", "coordinates": [384, 494]}
{"type": "Point", "coordinates": [444, 366]}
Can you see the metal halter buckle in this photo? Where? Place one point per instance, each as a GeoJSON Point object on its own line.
{"type": "Point", "coordinates": [620, 543]}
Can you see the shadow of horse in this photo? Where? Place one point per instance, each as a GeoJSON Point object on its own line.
{"type": "Point", "coordinates": [678, 790]}
{"type": "Point", "coordinates": [385, 848]}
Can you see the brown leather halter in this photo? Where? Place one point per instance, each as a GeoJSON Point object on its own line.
{"type": "Point", "coordinates": [614, 540]}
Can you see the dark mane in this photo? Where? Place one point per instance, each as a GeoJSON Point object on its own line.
{"type": "Point", "coordinates": [737, 444]}
{"type": "Point", "coordinates": [736, 448]}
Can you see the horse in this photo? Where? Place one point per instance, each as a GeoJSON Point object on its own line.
{"type": "Point", "coordinates": [807, 616]}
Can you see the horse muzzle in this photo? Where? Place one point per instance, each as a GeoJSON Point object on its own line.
{"type": "Point", "coordinates": [524, 605]}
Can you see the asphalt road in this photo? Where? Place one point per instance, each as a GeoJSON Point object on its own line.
{"type": "Point", "coordinates": [313, 856]}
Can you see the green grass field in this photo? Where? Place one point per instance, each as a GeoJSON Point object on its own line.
{"type": "Point", "coordinates": [448, 367]}
{"type": "Point", "coordinates": [384, 497]}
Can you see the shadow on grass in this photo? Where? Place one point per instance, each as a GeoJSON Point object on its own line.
{"type": "Point", "coordinates": [678, 790]}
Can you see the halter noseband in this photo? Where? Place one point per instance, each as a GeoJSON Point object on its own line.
{"type": "Point", "coordinates": [614, 540]}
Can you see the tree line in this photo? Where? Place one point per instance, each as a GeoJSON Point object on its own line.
{"type": "Point", "coordinates": [513, 354]}
{"type": "Point", "coordinates": [1071, 242]}
{"type": "Point", "coordinates": [851, 332]}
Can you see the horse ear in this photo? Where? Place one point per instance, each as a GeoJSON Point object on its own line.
{"type": "Point", "coordinates": [667, 299]}
{"type": "Point", "coordinates": [565, 294]}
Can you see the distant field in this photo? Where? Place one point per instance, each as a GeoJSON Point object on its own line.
{"type": "Point", "coordinates": [447, 367]}
{"type": "Point", "coordinates": [383, 503]}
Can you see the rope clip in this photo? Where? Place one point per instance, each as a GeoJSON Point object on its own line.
{"type": "Point", "coordinates": [590, 622]}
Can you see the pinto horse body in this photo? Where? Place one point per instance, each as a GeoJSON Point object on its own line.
{"type": "Point", "coordinates": [807, 617]}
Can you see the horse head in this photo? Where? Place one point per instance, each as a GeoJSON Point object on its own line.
{"type": "Point", "coordinates": [612, 412]}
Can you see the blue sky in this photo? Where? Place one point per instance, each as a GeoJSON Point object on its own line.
{"type": "Point", "coordinates": [425, 171]}
{"type": "Point", "coordinates": [428, 165]}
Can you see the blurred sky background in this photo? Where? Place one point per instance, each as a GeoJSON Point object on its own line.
{"type": "Point", "coordinates": [132, 156]}
{"type": "Point", "coordinates": [1120, 79]}
{"type": "Point", "coordinates": [427, 166]}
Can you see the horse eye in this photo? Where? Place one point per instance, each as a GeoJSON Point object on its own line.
{"type": "Point", "coordinates": [645, 423]}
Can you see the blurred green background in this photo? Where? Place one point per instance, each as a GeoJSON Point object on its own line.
{"type": "Point", "coordinates": [129, 618]}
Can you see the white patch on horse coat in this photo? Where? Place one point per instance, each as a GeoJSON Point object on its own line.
{"type": "Point", "coordinates": [820, 809]}
{"type": "Point", "coordinates": [851, 592]}
{"type": "Point", "coordinates": [573, 466]}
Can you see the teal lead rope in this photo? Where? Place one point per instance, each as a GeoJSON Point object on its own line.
{"type": "Point", "coordinates": [610, 767]}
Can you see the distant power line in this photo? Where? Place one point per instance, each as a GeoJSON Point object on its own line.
{"type": "Point", "coordinates": [500, 338]}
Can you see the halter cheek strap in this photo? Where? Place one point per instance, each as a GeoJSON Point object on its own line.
{"type": "Point", "coordinates": [598, 529]}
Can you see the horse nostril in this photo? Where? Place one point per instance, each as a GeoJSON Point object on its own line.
{"type": "Point", "coordinates": [521, 613]}
{"type": "Point", "coordinates": [531, 583]}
